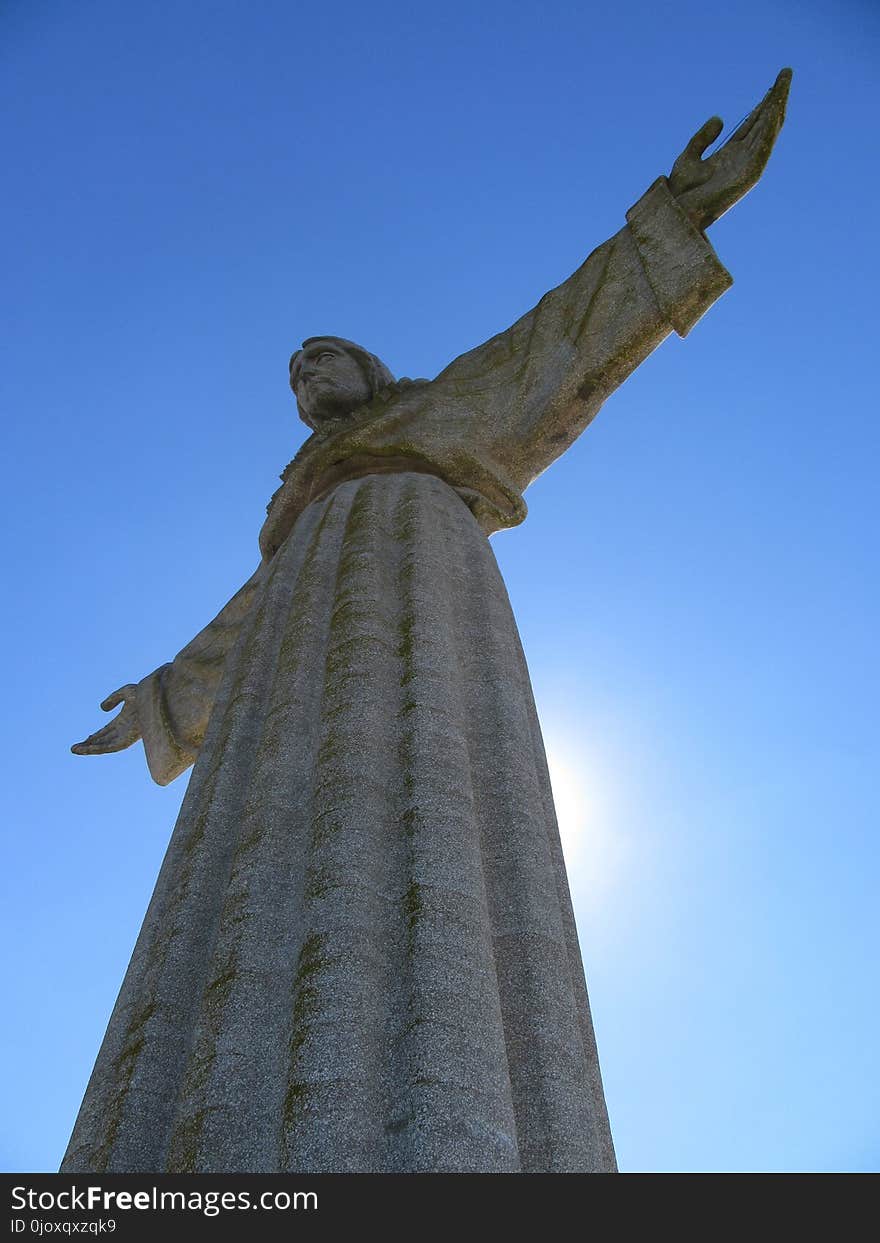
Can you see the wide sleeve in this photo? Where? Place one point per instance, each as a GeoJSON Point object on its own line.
{"type": "Point", "coordinates": [174, 702]}
{"type": "Point", "coordinates": [534, 388]}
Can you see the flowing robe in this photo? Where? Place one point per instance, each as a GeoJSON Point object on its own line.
{"type": "Point", "coordinates": [361, 954]}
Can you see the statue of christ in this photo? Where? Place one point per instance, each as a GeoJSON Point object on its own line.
{"type": "Point", "coordinates": [360, 954]}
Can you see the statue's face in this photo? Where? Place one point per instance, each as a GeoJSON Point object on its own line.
{"type": "Point", "coordinates": [328, 382]}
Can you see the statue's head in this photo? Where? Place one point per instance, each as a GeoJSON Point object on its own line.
{"type": "Point", "coordinates": [332, 377]}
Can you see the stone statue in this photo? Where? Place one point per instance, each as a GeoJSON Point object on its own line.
{"type": "Point", "coordinates": [360, 954]}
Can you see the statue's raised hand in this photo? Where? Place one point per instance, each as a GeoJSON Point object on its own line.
{"type": "Point", "coordinates": [707, 188]}
{"type": "Point", "coordinates": [122, 731]}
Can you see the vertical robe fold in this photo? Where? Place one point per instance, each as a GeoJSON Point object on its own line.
{"type": "Point", "coordinates": [360, 954]}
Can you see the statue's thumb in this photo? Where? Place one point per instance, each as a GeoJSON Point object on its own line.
{"type": "Point", "coordinates": [704, 137]}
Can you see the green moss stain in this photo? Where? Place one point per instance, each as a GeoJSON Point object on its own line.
{"type": "Point", "coordinates": [324, 826]}
{"type": "Point", "coordinates": [218, 991]}
{"type": "Point", "coordinates": [184, 1148]}
{"type": "Point", "coordinates": [247, 843]}
{"type": "Point", "coordinates": [294, 1105]}
{"type": "Point", "coordinates": [311, 962]}
{"type": "Point", "coordinates": [331, 747]}
{"type": "Point", "coordinates": [413, 909]}
{"type": "Point", "coordinates": [406, 649]}
{"type": "Point", "coordinates": [126, 1063]}
{"type": "Point", "coordinates": [319, 882]}
{"type": "Point", "coordinates": [235, 910]}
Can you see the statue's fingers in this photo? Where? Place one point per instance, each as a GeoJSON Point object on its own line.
{"type": "Point", "coordinates": [85, 748]}
{"type": "Point", "coordinates": [704, 137]}
{"type": "Point", "coordinates": [762, 137]}
{"type": "Point", "coordinates": [89, 746]}
{"type": "Point", "coordinates": [690, 170]}
{"type": "Point", "coordinates": [100, 743]}
{"type": "Point", "coordinates": [769, 112]}
{"type": "Point", "coordinates": [773, 104]}
{"type": "Point", "coordinates": [782, 85]}
{"type": "Point", "coordinates": [747, 126]}
{"type": "Point", "coordinates": [117, 697]}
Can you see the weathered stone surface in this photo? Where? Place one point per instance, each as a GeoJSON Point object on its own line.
{"type": "Point", "coordinates": [360, 954]}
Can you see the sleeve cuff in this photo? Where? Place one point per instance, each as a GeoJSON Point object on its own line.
{"type": "Point", "coordinates": [166, 758]}
{"type": "Point", "coordinates": [683, 270]}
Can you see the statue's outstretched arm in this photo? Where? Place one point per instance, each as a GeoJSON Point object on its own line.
{"type": "Point", "coordinates": [170, 707]}
{"type": "Point", "coordinates": [534, 388]}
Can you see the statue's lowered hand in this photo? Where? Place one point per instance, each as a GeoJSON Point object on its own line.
{"type": "Point", "coordinates": [122, 731]}
{"type": "Point", "coordinates": [706, 189]}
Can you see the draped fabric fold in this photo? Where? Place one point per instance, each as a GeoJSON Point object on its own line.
{"type": "Point", "coordinates": [361, 952]}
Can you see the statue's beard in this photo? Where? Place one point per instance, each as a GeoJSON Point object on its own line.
{"type": "Point", "coordinates": [324, 404]}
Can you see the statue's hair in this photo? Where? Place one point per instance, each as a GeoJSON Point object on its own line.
{"type": "Point", "coordinates": [378, 375]}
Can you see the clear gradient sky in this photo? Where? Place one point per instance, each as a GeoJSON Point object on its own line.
{"type": "Point", "coordinates": [191, 189]}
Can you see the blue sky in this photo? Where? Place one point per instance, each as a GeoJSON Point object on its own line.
{"type": "Point", "coordinates": [192, 188]}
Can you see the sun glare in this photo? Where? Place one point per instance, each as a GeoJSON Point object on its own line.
{"type": "Point", "coordinates": [590, 832]}
{"type": "Point", "coordinates": [572, 806]}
